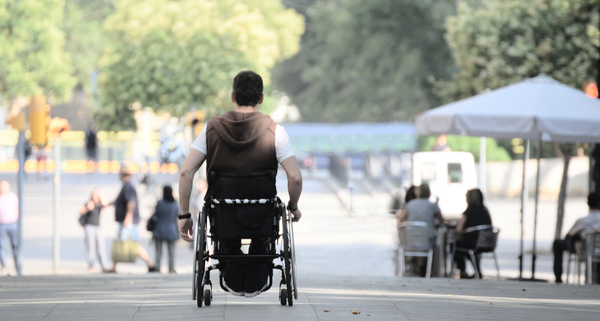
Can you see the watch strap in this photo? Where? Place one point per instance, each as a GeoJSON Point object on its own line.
{"type": "Point", "coordinates": [184, 216]}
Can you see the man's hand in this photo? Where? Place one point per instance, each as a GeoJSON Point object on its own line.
{"type": "Point", "coordinates": [186, 229]}
{"type": "Point", "coordinates": [296, 215]}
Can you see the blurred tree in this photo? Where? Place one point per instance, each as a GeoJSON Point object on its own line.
{"type": "Point", "coordinates": [367, 60]}
{"type": "Point", "coordinates": [32, 57]}
{"type": "Point", "coordinates": [172, 55]}
{"type": "Point", "coordinates": [503, 42]}
{"type": "Point", "coordinates": [85, 38]}
{"type": "Point", "coordinates": [494, 153]}
{"type": "Point", "coordinates": [498, 43]}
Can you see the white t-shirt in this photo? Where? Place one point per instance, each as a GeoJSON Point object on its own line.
{"type": "Point", "coordinates": [283, 145]}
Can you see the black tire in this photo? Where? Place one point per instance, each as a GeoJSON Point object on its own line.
{"type": "Point", "coordinates": [200, 263]}
{"type": "Point", "coordinates": [287, 261]}
{"type": "Point", "coordinates": [199, 296]}
{"type": "Point", "coordinates": [283, 296]}
{"type": "Point", "coordinates": [207, 297]}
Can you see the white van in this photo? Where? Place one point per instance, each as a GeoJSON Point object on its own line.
{"type": "Point", "coordinates": [449, 175]}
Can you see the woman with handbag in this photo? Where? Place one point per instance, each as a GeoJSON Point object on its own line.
{"type": "Point", "coordinates": [95, 245]}
{"type": "Point", "coordinates": [165, 229]}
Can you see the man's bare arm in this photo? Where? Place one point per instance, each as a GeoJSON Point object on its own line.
{"type": "Point", "coordinates": [129, 215]}
{"type": "Point", "coordinates": [186, 179]}
{"type": "Point", "coordinates": [294, 177]}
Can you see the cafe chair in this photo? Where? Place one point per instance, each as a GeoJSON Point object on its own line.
{"type": "Point", "coordinates": [578, 257]}
{"type": "Point", "coordinates": [414, 241]}
{"type": "Point", "coordinates": [592, 254]}
{"type": "Point", "coordinates": [487, 240]}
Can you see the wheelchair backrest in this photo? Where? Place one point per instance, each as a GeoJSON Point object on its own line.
{"type": "Point", "coordinates": [246, 207]}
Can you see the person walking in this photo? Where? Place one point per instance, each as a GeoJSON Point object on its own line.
{"type": "Point", "coordinates": [9, 214]}
{"type": "Point", "coordinates": [91, 143]}
{"type": "Point", "coordinates": [95, 244]}
{"type": "Point", "coordinates": [128, 216]}
{"type": "Point", "coordinates": [165, 230]}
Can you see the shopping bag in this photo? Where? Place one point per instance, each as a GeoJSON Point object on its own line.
{"type": "Point", "coordinates": [124, 250]}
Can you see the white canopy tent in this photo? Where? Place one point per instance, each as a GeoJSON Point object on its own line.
{"type": "Point", "coordinates": [539, 108]}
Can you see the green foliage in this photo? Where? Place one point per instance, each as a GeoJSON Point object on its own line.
{"type": "Point", "coordinates": [501, 42]}
{"type": "Point", "coordinates": [466, 144]}
{"type": "Point", "coordinates": [367, 60]}
{"type": "Point", "coordinates": [85, 38]}
{"type": "Point", "coordinates": [32, 57]}
{"type": "Point", "coordinates": [172, 55]}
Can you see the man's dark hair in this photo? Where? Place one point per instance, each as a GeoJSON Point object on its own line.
{"type": "Point", "coordinates": [247, 88]}
{"type": "Point", "coordinates": [594, 200]}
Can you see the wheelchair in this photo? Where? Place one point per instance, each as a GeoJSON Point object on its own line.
{"type": "Point", "coordinates": [225, 218]}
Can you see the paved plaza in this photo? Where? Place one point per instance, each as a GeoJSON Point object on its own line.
{"type": "Point", "coordinates": [322, 297]}
{"type": "Point", "coordinates": [345, 263]}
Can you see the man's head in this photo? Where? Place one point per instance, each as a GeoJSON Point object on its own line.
{"type": "Point", "coordinates": [125, 173]}
{"type": "Point", "coordinates": [594, 201]}
{"type": "Point", "coordinates": [4, 187]}
{"type": "Point", "coordinates": [424, 191]}
{"type": "Point", "coordinates": [247, 89]}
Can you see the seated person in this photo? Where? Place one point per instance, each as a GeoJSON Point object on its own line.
{"type": "Point", "coordinates": [410, 195]}
{"type": "Point", "coordinates": [241, 144]}
{"type": "Point", "coordinates": [476, 214]}
{"type": "Point", "coordinates": [421, 209]}
{"type": "Point", "coordinates": [582, 225]}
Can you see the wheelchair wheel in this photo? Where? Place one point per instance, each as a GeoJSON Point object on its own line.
{"type": "Point", "coordinates": [287, 258]}
{"type": "Point", "coordinates": [283, 296]}
{"type": "Point", "coordinates": [207, 297]}
{"type": "Point", "coordinates": [199, 258]}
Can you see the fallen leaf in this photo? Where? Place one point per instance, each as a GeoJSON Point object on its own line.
{"type": "Point", "coordinates": [325, 310]}
{"type": "Point", "coordinates": [355, 312]}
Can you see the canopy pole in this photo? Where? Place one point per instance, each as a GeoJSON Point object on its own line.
{"type": "Point", "coordinates": [535, 215]}
{"type": "Point", "coordinates": [482, 165]}
{"type": "Point", "coordinates": [524, 196]}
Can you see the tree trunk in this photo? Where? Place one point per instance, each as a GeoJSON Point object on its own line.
{"type": "Point", "coordinates": [562, 195]}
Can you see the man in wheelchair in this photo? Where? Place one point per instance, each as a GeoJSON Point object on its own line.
{"type": "Point", "coordinates": [242, 149]}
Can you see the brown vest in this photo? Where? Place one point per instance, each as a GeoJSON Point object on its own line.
{"type": "Point", "coordinates": [241, 144]}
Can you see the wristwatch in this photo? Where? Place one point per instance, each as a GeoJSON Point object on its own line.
{"type": "Point", "coordinates": [292, 209]}
{"type": "Point", "coordinates": [182, 216]}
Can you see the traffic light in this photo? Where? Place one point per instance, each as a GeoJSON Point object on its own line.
{"type": "Point", "coordinates": [591, 89]}
{"type": "Point", "coordinates": [39, 118]}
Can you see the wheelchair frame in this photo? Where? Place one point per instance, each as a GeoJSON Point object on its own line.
{"type": "Point", "coordinates": [202, 285]}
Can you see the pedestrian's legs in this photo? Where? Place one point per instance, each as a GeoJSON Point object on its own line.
{"type": "Point", "coordinates": [171, 248]}
{"type": "Point", "coordinates": [10, 230]}
{"type": "Point", "coordinates": [3, 236]}
{"type": "Point", "coordinates": [558, 247]}
{"type": "Point", "coordinates": [90, 245]}
{"type": "Point", "coordinates": [101, 248]}
{"type": "Point", "coordinates": [158, 243]}
{"type": "Point", "coordinates": [14, 237]}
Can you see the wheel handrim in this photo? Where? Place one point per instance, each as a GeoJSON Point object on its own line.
{"type": "Point", "coordinates": [293, 259]}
